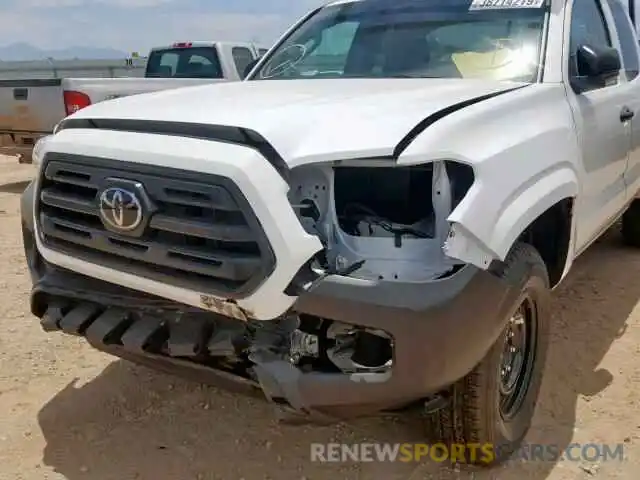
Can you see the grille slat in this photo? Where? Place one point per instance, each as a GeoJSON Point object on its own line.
{"type": "Point", "coordinates": [193, 194]}
{"type": "Point", "coordinates": [201, 233]}
{"type": "Point", "coordinates": [68, 202]}
{"type": "Point", "coordinates": [63, 229]}
{"type": "Point", "coordinates": [78, 176]}
{"type": "Point", "coordinates": [227, 233]}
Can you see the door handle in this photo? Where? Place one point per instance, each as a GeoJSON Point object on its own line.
{"type": "Point", "coordinates": [20, 94]}
{"type": "Point", "coordinates": [626, 114]}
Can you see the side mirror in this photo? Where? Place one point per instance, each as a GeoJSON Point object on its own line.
{"type": "Point", "coordinates": [597, 65]}
{"type": "Point", "coordinates": [249, 67]}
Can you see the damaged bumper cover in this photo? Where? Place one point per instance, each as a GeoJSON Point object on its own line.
{"type": "Point", "coordinates": [439, 331]}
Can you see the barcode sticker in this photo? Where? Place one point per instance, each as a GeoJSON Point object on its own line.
{"type": "Point", "coordinates": [504, 4]}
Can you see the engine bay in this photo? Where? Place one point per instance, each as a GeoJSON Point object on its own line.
{"type": "Point", "coordinates": [391, 219]}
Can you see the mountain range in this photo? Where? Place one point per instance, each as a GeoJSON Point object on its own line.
{"type": "Point", "coordinates": [25, 51]}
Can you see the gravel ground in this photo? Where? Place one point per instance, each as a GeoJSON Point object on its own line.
{"type": "Point", "coordinates": [69, 412]}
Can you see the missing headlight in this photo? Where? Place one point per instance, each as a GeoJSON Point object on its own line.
{"type": "Point", "coordinates": [392, 218]}
{"type": "Point", "coordinates": [385, 202]}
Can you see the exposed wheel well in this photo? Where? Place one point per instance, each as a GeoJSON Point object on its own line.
{"type": "Point", "coordinates": [550, 234]}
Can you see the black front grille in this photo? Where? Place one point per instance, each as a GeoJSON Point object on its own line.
{"type": "Point", "coordinates": [202, 233]}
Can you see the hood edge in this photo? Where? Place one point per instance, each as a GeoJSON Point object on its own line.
{"type": "Point", "coordinates": [219, 133]}
{"type": "Point", "coordinates": [406, 141]}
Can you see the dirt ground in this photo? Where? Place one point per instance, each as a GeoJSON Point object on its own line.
{"type": "Point", "coordinates": [69, 412]}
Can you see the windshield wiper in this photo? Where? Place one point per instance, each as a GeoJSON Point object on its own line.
{"type": "Point", "coordinates": [410, 75]}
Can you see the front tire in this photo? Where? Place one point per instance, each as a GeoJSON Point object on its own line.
{"type": "Point", "coordinates": [631, 225]}
{"type": "Point", "coordinates": [490, 410]}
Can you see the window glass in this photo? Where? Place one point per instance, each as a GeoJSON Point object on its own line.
{"type": "Point", "coordinates": [193, 62]}
{"type": "Point", "coordinates": [409, 38]}
{"type": "Point", "coordinates": [242, 57]}
{"type": "Point", "coordinates": [628, 41]}
{"type": "Point", "coordinates": [330, 55]}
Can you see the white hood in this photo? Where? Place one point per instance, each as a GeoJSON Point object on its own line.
{"type": "Point", "coordinates": [307, 119]}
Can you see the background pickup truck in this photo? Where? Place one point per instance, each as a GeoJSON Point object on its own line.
{"type": "Point", "coordinates": [30, 108]}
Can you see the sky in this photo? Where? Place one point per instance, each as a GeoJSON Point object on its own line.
{"type": "Point", "coordinates": [137, 25]}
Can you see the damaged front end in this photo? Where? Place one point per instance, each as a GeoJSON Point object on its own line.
{"type": "Point", "coordinates": [378, 223]}
{"type": "Point", "coordinates": [383, 318]}
{"type": "Point", "coordinates": [357, 324]}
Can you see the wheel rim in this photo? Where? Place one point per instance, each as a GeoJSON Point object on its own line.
{"type": "Point", "coordinates": [518, 355]}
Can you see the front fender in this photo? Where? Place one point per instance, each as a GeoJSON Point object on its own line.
{"type": "Point", "coordinates": [522, 208]}
{"type": "Point", "coordinates": [526, 206]}
{"type": "Point", "coordinates": [525, 156]}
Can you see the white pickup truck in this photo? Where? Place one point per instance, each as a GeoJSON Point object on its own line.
{"type": "Point", "coordinates": [372, 220]}
{"type": "Point", "coordinates": [30, 108]}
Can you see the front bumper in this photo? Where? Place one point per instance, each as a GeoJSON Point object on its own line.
{"type": "Point", "coordinates": [440, 331]}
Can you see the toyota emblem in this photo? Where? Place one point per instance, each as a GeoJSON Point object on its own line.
{"type": "Point", "coordinates": [120, 209]}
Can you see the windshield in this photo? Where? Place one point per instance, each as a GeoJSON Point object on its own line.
{"type": "Point", "coordinates": [192, 62]}
{"type": "Point", "coordinates": [489, 39]}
